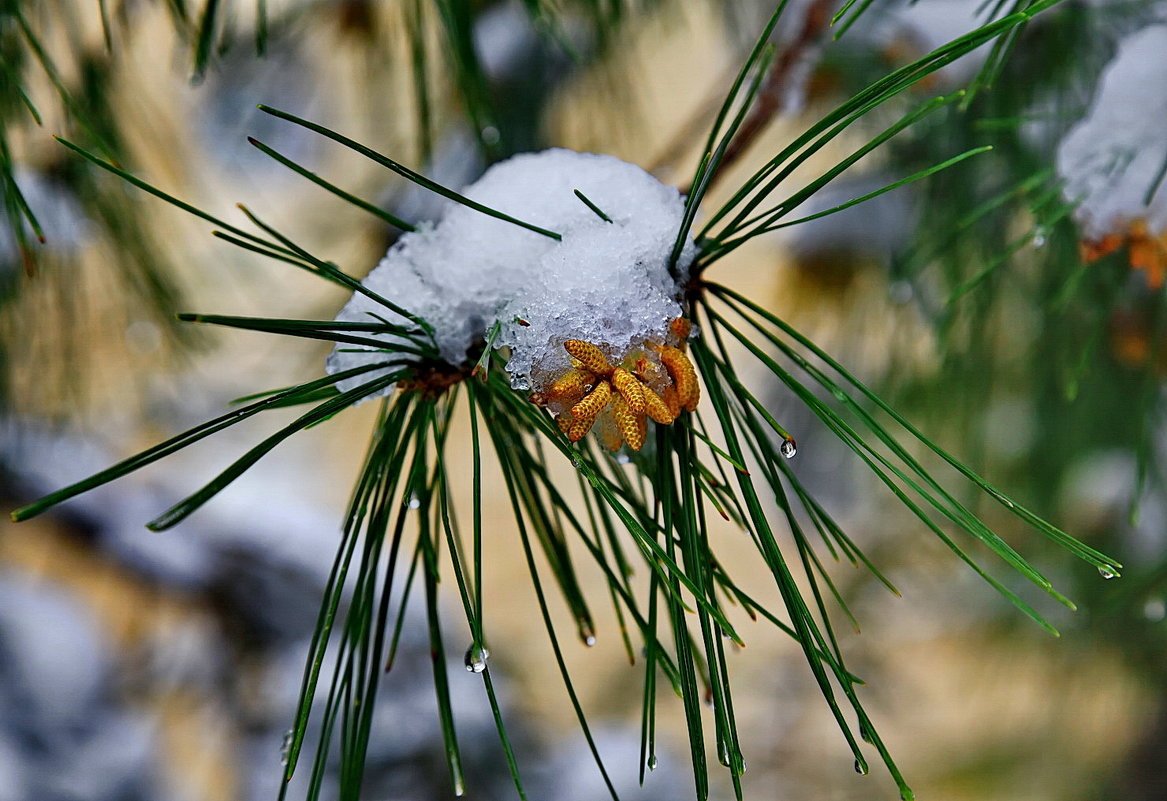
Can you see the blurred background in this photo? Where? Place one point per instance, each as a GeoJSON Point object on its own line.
{"type": "Point", "coordinates": [1018, 329]}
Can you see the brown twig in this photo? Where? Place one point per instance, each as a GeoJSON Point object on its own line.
{"type": "Point", "coordinates": [770, 98]}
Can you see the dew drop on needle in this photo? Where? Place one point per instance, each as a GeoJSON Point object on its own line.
{"type": "Point", "coordinates": [286, 748]}
{"type": "Point", "coordinates": [476, 657]}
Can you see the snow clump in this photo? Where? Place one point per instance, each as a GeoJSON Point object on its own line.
{"type": "Point", "coordinates": [1111, 159]}
{"type": "Point", "coordinates": [606, 282]}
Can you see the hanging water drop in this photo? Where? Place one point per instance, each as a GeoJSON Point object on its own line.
{"type": "Point", "coordinates": [1108, 571]}
{"type": "Point", "coordinates": [589, 640]}
{"type": "Point", "coordinates": [861, 768]}
{"type": "Point", "coordinates": [476, 656]}
{"type": "Point", "coordinates": [864, 734]}
{"type": "Point", "coordinates": [652, 761]}
{"type": "Point", "coordinates": [788, 447]}
{"type": "Point", "coordinates": [414, 501]}
{"type": "Point", "coordinates": [286, 748]}
{"type": "Point", "coordinates": [623, 458]}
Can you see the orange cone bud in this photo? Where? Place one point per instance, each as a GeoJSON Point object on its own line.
{"type": "Point", "coordinates": [629, 388]}
{"type": "Point", "coordinates": [589, 356]}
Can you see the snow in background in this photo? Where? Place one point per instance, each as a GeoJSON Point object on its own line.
{"type": "Point", "coordinates": [81, 713]}
{"type": "Point", "coordinates": [1112, 158]}
{"type": "Point", "coordinates": [605, 282]}
{"type": "Point", "coordinates": [65, 225]}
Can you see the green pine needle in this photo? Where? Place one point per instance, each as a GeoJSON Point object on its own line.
{"type": "Point", "coordinates": [405, 172]}
{"type": "Point", "coordinates": [316, 179]}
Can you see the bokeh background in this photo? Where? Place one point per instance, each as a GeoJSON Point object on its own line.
{"type": "Point", "coordinates": [141, 665]}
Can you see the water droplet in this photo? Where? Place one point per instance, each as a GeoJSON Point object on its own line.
{"type": "Point", "coordinates": [1108, 571]}
{"type": "Point", "coordinates": [1155, 610]}
{"type": "Point", "coordinates": [906, 794]}
{"type": "Point", "coordinates": [589, 640]}
{"type": "Point", "coordinates": [414, 501]}
{"type": "Point", "coordinates": [476, 657]}
{"type": "Point", "coordinates": [623, 458]}
{"type": "Point", "coordinates": [652, 761]}
{"type": "Point", "coordinates": [788, 447]}
{"type": "Point", "coordinates": [1039, 238]}
{"type": "Point", "coordinates": [861, 768]}
{"type": "Point", "coordinates": [864, 734]}
{"type": "Point", "coordinates": [490, 135]}
{"type": "Point", "coordinates": [723, 753]}
{"type": "Point", "coordinates": [286, 748]}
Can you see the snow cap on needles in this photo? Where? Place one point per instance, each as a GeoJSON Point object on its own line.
{"type": "Point", "coordinates": [606, 282]}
